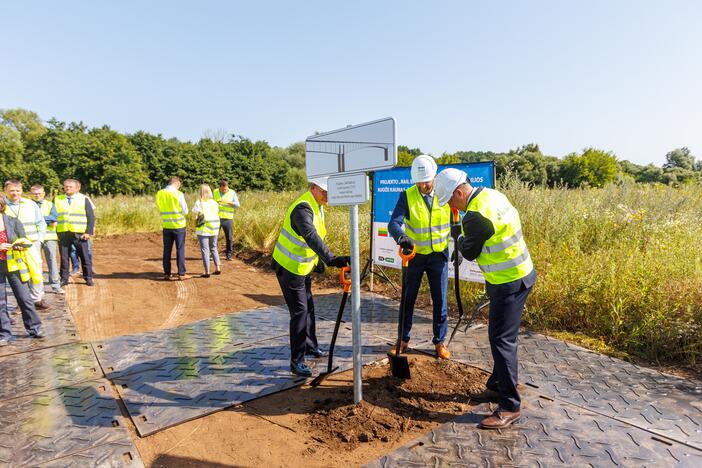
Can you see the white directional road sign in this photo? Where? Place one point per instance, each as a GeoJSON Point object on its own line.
{"type": "Point", "coordinates": [365, 147]}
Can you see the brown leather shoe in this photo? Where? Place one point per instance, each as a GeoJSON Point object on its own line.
{"type": "Point", "coordinates": [442, 351]}
{"type": "Point", "coordinates": [403, 348]}
{"type": "Point", "coordinates": [41, 305]}
{"type": "Point", "coordinates": [499, 419]}
{"type": "Point", "coordinates": [486, 396]}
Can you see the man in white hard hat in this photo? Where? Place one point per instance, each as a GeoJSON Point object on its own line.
{"type": "Point", "coordinates": [492, 235]}
{"type": "Point", "coordinates": [297, 253]}
{"type": "Point", "coordinates": [426, 226]}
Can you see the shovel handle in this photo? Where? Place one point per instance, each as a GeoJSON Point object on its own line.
{"type": "Point", "coordinates": [454, 212]}
{"type": "Point", "coordinates": [346, 283]}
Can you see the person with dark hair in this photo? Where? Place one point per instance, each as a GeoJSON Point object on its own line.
{"type": "Point", "coordinates": [173, 209]}
{"type": "Point", "coordinates": [227, 200]}
{"type": "Point", "coordinates": [11, 229]}
{"type": "Point", "coordinates": [76, 224]}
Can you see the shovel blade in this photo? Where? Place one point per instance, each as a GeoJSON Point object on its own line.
{"type": "Point", "coordinates": [400, 367]}
{"type": "Point", "coordinates": [320, 378]}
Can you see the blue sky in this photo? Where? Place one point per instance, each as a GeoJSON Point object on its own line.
{"type": "Point", "coordinates": [624, 76]}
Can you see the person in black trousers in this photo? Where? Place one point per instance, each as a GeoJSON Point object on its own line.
{"type": "Point", "coordinates": [300, 250]}
{"type": "Point", "coordinates": [492, 236]}
{"type": "Point", "coordinates": [76, 224]}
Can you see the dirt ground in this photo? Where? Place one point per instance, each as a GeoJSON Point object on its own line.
{"type": "Point", "coordinates": [303, 426]}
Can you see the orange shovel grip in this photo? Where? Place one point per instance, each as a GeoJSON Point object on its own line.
{"type": "Point", "coordinates": [406, 258]}
{"type": "Point", "coordinates": [346, 283]}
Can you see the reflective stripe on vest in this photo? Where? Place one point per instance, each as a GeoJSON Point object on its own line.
{"type": "Point", "coordinates": [291, 251]}
{"type": "Point", "coordinates": [505, 256]}
{"type": "Point", "coordinates": [428, 229]}
{"type": "Point", "coordinates": [26, 214]}
{"type": "Point", "coordinates": [26, 262]}
{"type": "Point", "coordinates": [46, 211]}
{"type": "Point", "coordinates": [71, 217]}
{"type": "Point", "coordinates": [225, 211]}
{"type": "Point", "coordinates": [210, 210]}
{"type": "Point", "coordinates": [168, 204]}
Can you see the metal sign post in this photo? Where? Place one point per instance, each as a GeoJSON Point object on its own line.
{"type": "Point", "coordinates": [345, 155]}
{"type": "Point", "coordinates": [356, 308]}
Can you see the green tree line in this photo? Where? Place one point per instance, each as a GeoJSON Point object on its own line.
{"type": "Point", "coordinates": [110, 162]}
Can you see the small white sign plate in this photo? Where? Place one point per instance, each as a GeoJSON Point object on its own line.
{"type": "Point", "coordinates": [349, 189]}
{"type": "Point", "coordinates": [369, 146]}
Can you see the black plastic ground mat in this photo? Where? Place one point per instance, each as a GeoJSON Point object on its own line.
{"type": "Point", "coordinates": [44, 369]}
{"type": "Point", "coordinates": [549, 433]}
{"type": "Point", "coordinates": [178, 389]}
{"type": "Point", "coordinates": [663, 404]}
{"type": "Point", "coordinates": [56, 322]}
{"type": "Point", "coordinates": [71, 423]}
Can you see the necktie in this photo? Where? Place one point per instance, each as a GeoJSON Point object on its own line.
{"type": "Point", "coordinates": [69, 200]}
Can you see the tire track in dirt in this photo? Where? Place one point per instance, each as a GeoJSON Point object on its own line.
{"type": "Point", "coordinates": [185, 291]}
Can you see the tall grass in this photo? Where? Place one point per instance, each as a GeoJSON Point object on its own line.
{"type": "Point", "coordinates": [621, 265]}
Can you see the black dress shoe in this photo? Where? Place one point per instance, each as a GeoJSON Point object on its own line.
{"type": "Point", "coordinates": [89, 282]}
{"type": "Point", "coordinates": [64, 282]}
{"type": "Point", "coordinates": [316, 352]}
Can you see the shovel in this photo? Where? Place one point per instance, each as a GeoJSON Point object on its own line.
{"type": "Point", "coordinates": [346, 283]}
{"type": "Point", "coordinates": [457, 287]}
{"type": "Point", "coordinates": [398, 363]}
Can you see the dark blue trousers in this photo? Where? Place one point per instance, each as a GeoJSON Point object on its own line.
{"type": "Point", "coordinates": [436, 267]}
{"type": "Point", "coordinates": [32, 322]}
{"type": "Point", "coordinates": [67, 241]}
{"type": "Point", "coordinates": [506, 306]}
{"type": "Point", "coordinates": [171, 236]}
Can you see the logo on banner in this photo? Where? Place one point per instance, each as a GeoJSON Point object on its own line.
{"type": "Point", "coordinates": [382, 232]}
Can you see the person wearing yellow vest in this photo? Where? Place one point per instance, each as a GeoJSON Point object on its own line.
{"type": "Point", "coordinates": [75, 226]}
{"type": "Point", "coordinates": [173, 209]}
{"type": "Point", "coordinates": [11, 230]}
{"type": "Point", "coordinates": [34, 226]}
{"type": "Point", "coordinates": [207, 228]}
{"type": "Point", "coordinates": [228, 201]}
{"type": "Point", "coordinates": [300, 250]}
{"type": "Point", "coordinates": [426, 226]}
{"type": "Point", "coordinates": [492, 236]}
{"type": "Point", "coordinates": [50, 245]}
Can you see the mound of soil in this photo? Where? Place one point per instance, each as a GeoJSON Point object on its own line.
{"type": "Point", "coordinates": [437, 392]}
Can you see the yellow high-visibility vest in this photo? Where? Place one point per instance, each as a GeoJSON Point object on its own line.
{"type": "Point", "coordinates": [27, 262]}
{"type": "Point", "coordinates": [210, 210]}
{"type": "Point", "coordinates": [505, 256]}
{"type": "Point", "coordinates": [225, 211]}
{"type": "Point", "coordinates": [26, 214]}
{"type": "Point", "coordinates": [172, 216]}
{"type": "Point", "coordinates": [291, 251]}
{"type": "Point", "coordinates": [71, 217]}
{"type": "Point", "coordinates": [428, 229]}
{"type": "Point", "coordinates": [46, 206]}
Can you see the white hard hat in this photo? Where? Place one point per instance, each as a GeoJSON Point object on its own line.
{"type": "Point", "coordinates": [321, 182]}
{"type": "Point", "coordinates": [423, 168]}
{"type": "Point", "coordinates": [446, 182]}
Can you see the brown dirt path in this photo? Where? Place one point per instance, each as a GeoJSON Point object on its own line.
{"type": "Point", "coordinates": [129, 296]}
